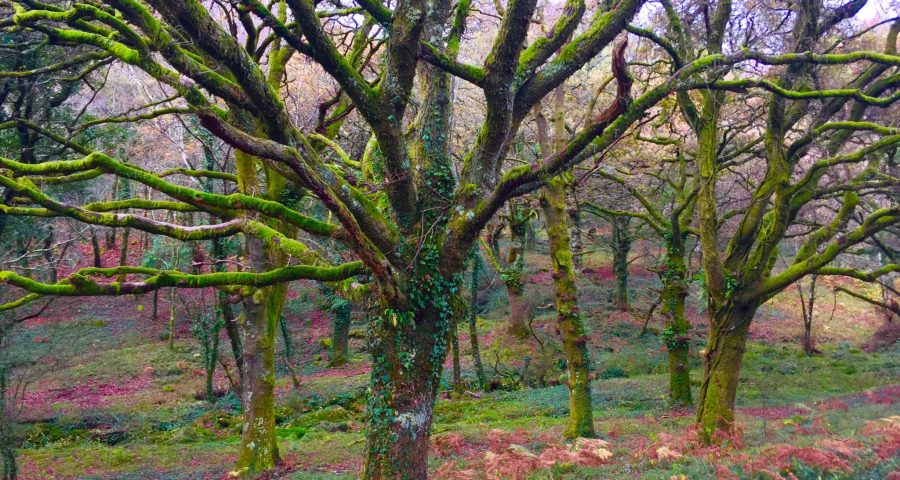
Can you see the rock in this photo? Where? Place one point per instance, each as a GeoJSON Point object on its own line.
{"type": "Point", "coordinates": [520, 450]}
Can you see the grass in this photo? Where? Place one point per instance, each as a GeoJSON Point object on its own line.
{"type": "Point", "coordinates": [159, 430]}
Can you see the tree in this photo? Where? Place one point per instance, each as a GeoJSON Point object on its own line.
{"type": "Point", "coordinates": [400, 207]}
{"type": "Point", "coordinates": [569, 320]}
{"type": "Point", "coordinates": [414, 273]}
{"type": "Point", "coordinates": [798, 174]}
{"type": "Point", "coordinates": [669, 217]}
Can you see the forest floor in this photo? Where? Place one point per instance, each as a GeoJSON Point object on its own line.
{"type": "Point", "coordinates": [107, 399]}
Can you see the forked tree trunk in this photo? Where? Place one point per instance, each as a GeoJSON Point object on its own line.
{"type": "Point", "coordinates": [721, 370]}
{"type": "Point", "coordinates": [569, 321]}
{"type": "Point", "coordinates": [675, 334]}
{"type": "Point", "coordinates": [408, 352]}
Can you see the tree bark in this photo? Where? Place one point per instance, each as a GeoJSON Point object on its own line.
{"type": "Point", "coordinates": [408, 352]}
{"type": "Point", "coordinates": [577, 242]}
{"type": "Point", "coordinates": [621, 248]}
{"type": "Point", "coordinates": [518, 310]}
{"type": "Point", "coordinates": [519, 306]}
{"type": "Point", "coordinates": [228, 318]}
{"type": "Point", "coordinates": [473, 321]}
{"type": "Point", "coordinates": [721, 370]}
{"type": "Point", "coordinates": [569, 320]}
{"type": "Point", "coordinates": [807, 308]}
{"type": "Point", "coordinates": [7, 448]}
{"type": "Point", "coordinates": [172, 318]}
{"type": "Point", "coordinates": [675, 335]}
{"type": "Point", "coordinates": [454, 347]}
{"type": "Point", "coordinates": [340, 335]}
{"type": "Point", "coordinates": [48, 255]}
{"type": "Point", "coordinates": [123, 253]}
{"type": "Point", "coordinates": [259, 450]}
{"type": "Point", "coordinates": [95, 246]}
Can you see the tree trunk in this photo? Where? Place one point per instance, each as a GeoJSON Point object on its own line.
{"type": "Point", "coordinates": [123, 253]}
{"type": "Point", "coordinates": [408, 352]}
{"type": "Point", "coordinates": [172, 319]}
{"type": "Point", "coordinates": [155, 313]}
{"type": "Point", "coordinates": [95, 246]}
{"type": "Point", "coordinates": [577, 242]}
{"type": "Point", "coordinates": [7, 448]}
{"type": "Point", "coordinates": [340, 335]}
{"type": "Point", "coordinates": [288, 352]}
{"type": "Point", "coordinates": [518, 311]}
{"type": "Point", "coordinates": [262, 310]}
{"type": "Point", "coordinates": [473, 322]}
{"type": "Point", "coordinates": [211, 359]}
{"type": "Point", "coordinates": [228, 318]}
{"type": "Point", "coordinates": [234, 336]}
{"type": "Point", "coordinates": [809, 346]}
{"type": "Point", "coordinates": [454, 347]}
{"type": "Point", "coordinates": [259, 450]}
{"type": "Point", "coordinates": [48, 255]}
{"type": "Point", "coordinates": [721, 370]}
{"type": "Point", "coordinates": [569, 321]}
{"type": "Point", "coordinates": [676, 332]}
{"type": "Point", "coordinates": [621, 248]}
{"type": "Point", "coordinates": [807, 308]}
{"type": "Point", "coordinates": [520, 216]}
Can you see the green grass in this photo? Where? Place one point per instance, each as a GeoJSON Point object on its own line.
{"type": "Point", "coordinates": [321, 427]}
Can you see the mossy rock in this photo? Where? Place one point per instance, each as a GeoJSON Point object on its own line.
{"type": "Point", "coordinates": [333, 414]}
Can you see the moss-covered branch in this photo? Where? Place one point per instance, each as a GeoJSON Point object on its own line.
{"type": "Point", "coordinates": [74, 61]}
{"type": "Point", "coordinates": [81, 282]}
{"type": "Point", "coordinates": [225, 205]}
{"type": "Point", "coordinates": [874, 223]}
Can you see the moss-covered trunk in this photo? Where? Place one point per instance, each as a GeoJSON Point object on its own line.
{"type": "Point", "coordinates": [519, 307]}
{"type": "Point", "coordinates": [675, 334]}
{"type": "Point", "coordinates": [569, 321]}
{"type": "Point", "coordinates": [408, 352]}
{"type": "Point", "coordinates": [473, 321]}
{"type": "Point", "coordinates": [621, 248]}
{"type": "Point", "coordinates": [262, 309]}
{"type": "Point", "coordinates": [721, 370]}
{"type": "Point", "coordinates": [518, 311]}
{"type": "Point", "coordinates": [340, 334]}
{"type": "Point", "coordinates": [259, 451]}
